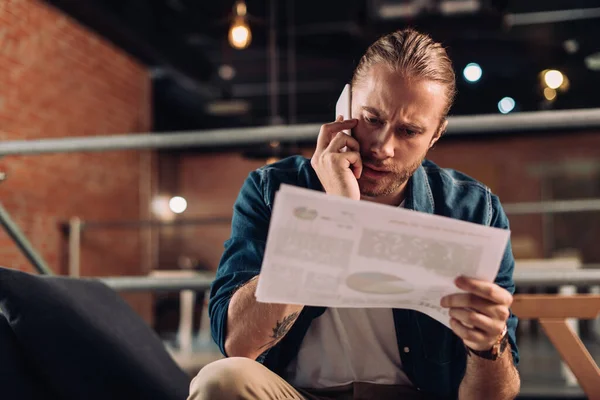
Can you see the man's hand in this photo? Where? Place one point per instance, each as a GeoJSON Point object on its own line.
{"type": "Point", "coordinates": [479, 316]}
{"type": "Point", "coordinates": [338, 170]}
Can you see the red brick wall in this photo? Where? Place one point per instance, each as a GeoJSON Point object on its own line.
{"type": "Point", "coordinates": [58, 79]}
{"type": "Point", "coordinates": [211, 183]}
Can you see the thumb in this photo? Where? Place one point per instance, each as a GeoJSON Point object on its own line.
{"type": "Point", "coordinates": [339, 118]}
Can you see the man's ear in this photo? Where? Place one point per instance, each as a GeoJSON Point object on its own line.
{"type": "Point", "coordinates": [439, 133]}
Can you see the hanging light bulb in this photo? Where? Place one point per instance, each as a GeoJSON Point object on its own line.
{"type": "Point", "coordinates": [553, 78]}
{"type": "Point", "coordinates": [240, 8]}
{"type": "Point", "coordinates": [239, 32]}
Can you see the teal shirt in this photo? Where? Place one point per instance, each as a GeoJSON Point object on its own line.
{"type": "Point", "coordinates": [436, 361]}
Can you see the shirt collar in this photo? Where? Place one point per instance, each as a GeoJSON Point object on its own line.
{"type": "Point", "coordinates": [418, 192]}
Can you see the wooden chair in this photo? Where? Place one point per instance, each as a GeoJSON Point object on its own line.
{"type": "Point", "coordinates": [552, 311]}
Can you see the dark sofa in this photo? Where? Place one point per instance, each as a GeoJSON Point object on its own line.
{"type": "Point", "coordinates": [71, 339]}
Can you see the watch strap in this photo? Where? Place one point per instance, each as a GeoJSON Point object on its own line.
{"type": "Point", "coordinates": [496, 351]}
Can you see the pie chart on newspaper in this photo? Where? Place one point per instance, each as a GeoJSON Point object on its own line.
{"type": "Point", "coordinates": [378, 283]}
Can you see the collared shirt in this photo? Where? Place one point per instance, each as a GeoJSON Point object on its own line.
{"type": "Point", "coordinates": [433, 357]}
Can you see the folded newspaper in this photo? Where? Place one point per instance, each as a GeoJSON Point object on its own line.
{"type": "Point", "coordinates": [331, 251]}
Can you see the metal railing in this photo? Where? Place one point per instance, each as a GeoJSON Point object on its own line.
{"type": "Point", "coordinates": [470, 124]}
{"type": "Point", "coordinates": [199, 283]}
{"type": "Point", "coordinates": [23, 243]}
{"type": "Point", "coordinates": [588, 276]}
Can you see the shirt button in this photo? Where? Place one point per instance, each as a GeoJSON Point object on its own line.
{"type": "Point", "coordinates": [406, 350]}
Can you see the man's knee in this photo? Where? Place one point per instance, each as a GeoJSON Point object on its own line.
{"type": "Point", "coordinates": [223, 379]}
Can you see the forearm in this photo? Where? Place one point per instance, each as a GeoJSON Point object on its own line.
{"type": "Point", "coordinates": [493, 380]}
{"type": "Point", "coordinates": [254, 327]}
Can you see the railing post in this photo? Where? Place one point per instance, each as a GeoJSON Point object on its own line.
{"type": "Point", "coordinates": [75, 247]}
{"type": "Point", "coordinates": [22, 243]}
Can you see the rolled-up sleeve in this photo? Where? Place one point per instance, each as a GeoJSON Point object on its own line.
{"type": "Point", "coordinates": [243, 253]}
{"type": "Point", "coordinates": [505, 274]}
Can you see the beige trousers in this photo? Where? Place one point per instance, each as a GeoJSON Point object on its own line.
{"type": "Point", "coordinates": [243, 379]}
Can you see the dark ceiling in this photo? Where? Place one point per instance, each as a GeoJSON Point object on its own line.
{"type": "Point", "coordinates": [184, 43]}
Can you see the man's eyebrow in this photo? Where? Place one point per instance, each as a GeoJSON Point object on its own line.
{"type": "Point", "coordinates": [413, 126]}
{"type": "Point", "coordinates": [372, 110]}
{"type": "Point", "coordinates": [407, 124]}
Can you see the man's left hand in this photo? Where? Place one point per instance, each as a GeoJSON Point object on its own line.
{"type": "Point", "coordinates": [479, 316]}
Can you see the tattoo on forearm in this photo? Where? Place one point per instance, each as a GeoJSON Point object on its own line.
{"type": "Point", "coordinates": [281, 329]}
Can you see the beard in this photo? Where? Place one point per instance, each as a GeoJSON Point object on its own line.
{"type": "Point", "coordinates": [392, 182]}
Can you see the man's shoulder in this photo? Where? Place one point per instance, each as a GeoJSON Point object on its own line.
{"type": "Point", "coordinates": [458, 195]}
{"type": "Point", "coordinates": [452, 179]}
{"type": "Point", "coordinates": [294, 170]}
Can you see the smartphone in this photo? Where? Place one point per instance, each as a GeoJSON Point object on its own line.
{"type": "Point", "coordinates": [343, 106]}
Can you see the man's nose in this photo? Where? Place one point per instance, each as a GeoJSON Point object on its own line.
{"type": "Point", "coordinates": [382, 146]}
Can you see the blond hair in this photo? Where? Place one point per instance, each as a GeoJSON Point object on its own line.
{"type": "Point", "coordinates": [413, 54]}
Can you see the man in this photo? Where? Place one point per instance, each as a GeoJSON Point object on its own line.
{"type": "Point", "coordinates": [402, 88]}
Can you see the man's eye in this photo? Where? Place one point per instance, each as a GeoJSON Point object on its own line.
{"type": "Point", "coordinates": [371, 120]}
{"type": "Point", "coordinates": [408, 132]}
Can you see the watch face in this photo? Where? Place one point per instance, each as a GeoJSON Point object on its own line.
{"type": "Point", "coordinates": [496, 349]}
{"type": "Point", "coordinates": [499, 347]}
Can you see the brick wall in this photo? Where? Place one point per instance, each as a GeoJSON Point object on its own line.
{"type": "Point", "coordinates": [58, 79]}
{"type": "Point", "coordinates": [506, 164]}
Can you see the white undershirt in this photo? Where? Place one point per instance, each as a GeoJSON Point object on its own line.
{"type": "Point", "coordinates": [346, 345]}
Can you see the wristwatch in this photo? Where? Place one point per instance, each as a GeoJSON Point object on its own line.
{"type": "Point", "coordinates": [497, 349]}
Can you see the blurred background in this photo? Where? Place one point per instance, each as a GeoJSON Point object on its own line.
{"type": "Point", "coordinates": [73, 68]}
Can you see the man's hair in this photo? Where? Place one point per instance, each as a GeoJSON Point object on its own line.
{"type": "Point", "coordinates": [413, 54]}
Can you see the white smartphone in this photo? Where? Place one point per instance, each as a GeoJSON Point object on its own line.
{"type": "Point", "coordinates": [343, 106]}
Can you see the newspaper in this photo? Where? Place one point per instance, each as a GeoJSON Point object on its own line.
{"type": "Point", "coordinates": [331, 251]}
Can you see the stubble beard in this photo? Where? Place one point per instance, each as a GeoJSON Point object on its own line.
{"type": "Point", "coordinates": [390, 184]}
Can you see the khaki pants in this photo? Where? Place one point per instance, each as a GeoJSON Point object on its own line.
{"type": "Point", "coordinates": [244, 379]}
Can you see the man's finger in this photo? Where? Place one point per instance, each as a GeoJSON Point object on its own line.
{"type": "Point", "coordinates": [469, 300]}
{"type": "Point", "coordinates": [328, 131]}
{"type": "Point", "coordinates": [352, 159]}
{"type": "Point", "coordinates": [487, 290]}
{"type": "Point", "coordinates": [474, 319]}
{"type": "Point", "coordinates": [341, 140]}
{"type": "Point", "coordinates": [469, 334]}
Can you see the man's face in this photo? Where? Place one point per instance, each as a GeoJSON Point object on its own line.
{"type": "Point", "coordinates": [399, 119]}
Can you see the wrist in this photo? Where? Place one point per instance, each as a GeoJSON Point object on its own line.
{"type": "Point", "coordinates": [496, 351]}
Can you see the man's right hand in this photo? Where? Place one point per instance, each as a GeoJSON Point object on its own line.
{"type": "Point", "coordinates": [338, 170]}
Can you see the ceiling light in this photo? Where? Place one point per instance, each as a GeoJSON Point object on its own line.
{"type": "Point", "coordinates": [472, 72]}
{"type": "Point", "coordinates": [593, 61]}
{"type": "Point", "coordinates": [239, 32]}
{"type": "Point", "coordinates": [177, 204]}
{"type": "Point", "coordinates": [228, 107]}
{"type": "Point", "coordinates": [452, 7]}
{"type": "Point", "coordinates": [549, 94]}
{"type": "Point", "coordinates": [226, 72]}
{"type": "Point", "coordinates": [553, 78]}
{"type": "Point", "coordinates": [506, 105]}
{"type": "Point", "coordinates": [240, 8]}
{"type": "Point", "coordinates": [571, 46]}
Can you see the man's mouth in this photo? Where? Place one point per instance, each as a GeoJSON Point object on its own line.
{"type": "Point", "coordinates": [374, 172]}
{"type": "Point", "coordinates": [375, 168]}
